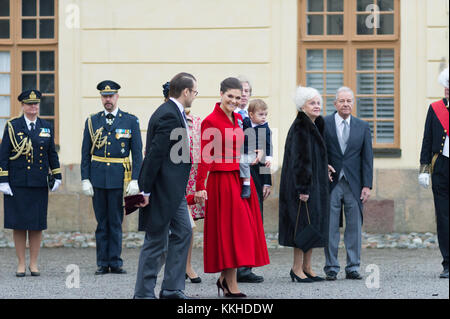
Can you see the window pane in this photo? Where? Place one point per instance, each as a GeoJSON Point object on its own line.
{"type": "Point", "coordinates": [2, 124]}
{"type": "Point", "coordinates": [46, 29]}
{"type": "Point", "coordinates": [335, 5]}
{"type": "Point", "coordinates": [335, 60]}
{"type": "Point", "coordinates": [29, 61]}
{"type": "Point", "coordinates": [47, 106]}
{"type": "Point", "coordinates": [47, 61]}
{"type": "Point", "coordinates": [314, 60]}
{"type": "Point", "coordinates": [329, 105]}
{"type": "Point", "coordinates": [5, 107]}
{"type": "Point", "coordinates": [364, 107]}
{"type": "Point", "coordinates": [385, 108]}
{"type": "Point", "coordinates": [385, 59]}
{"type": "Point", "coordinates": [5, 84]}
{"type": "Point", "coordinates": [315, 25]}
{"type": "Point", "coordinates": [29, 29]}
{"type": "Point", "coordinates": [5, 62]}
{"type": "Point", "coordinates": [46, 8]}
{"type": "Point", "coordinates": [315, 5]}
{"type": "Point", "coordinates": [334, 82]}
{"type": "Point", "coordinates": [4, 29]}
{"type": "Point", "coordinates": [364, 60]}
{"type": "Point", "coordinates": [385, 83]}
{"type": "Point", "coordinates": [386, 24]}
{"type": "Point", "coordinates": [386, 5]}
{"type": "Point", "coordinates": [385, 132]}
{"type": "Point", "coordinates": [362, 27]}
{"type": "Point", "coordinates": [315, 81]}
{"type": "Point", "coordinates": [335, 24]}
{"type": "Point", "coordinates": [29, 82]}
{"type": "Point", "coordinates": [371, 128]}
{"type": "Point", "coordinates": [29, 8]}
{"type": "Point", "coordinates": [364, 83]}
{"type": "Point", "coordinates": [47, 83]}
{"type": "Point", "coordinates": [362, 4]}
{"type": "Point", "coordinates": [4, 8]}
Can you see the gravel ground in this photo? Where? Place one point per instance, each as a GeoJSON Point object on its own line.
{"type": "Point", "coordinates": [403, 274]}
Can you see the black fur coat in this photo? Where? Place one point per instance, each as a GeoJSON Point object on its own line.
{"type": "Point", "coordinates": [304, 171]}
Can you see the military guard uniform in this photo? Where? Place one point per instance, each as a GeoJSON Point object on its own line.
{"type": "Point", "coordinates": [107, 142]}
{"type": "Point", "coordinates": [434, 161]}
{"type": "Point", "coordinates": [27, 154]}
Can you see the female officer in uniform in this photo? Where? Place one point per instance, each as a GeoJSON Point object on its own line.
{"type": "Point", "coordinates": [27, 153]}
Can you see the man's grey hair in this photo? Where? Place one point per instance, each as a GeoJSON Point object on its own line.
{"type": "Point", "coordinates": [245, 79]}
{"type": "Point", "coordinates": [344, 89]}
{"type": "Point", "coordinates": [303, 95]}
{"type": "Point", "coordinates": [443, 78]}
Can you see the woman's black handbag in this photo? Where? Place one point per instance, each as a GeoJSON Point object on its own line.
{"type": "Point", "coordinates": [309, 237]}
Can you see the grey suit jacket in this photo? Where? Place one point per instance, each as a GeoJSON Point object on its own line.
{"type": "Point", "coordinates": [357, 161]}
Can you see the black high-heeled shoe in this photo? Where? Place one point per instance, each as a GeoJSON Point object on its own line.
{"type": "Point", "coordinates": [195, 280]}
{"type": "Point", "coordinates": [314, 278]}
{"type": "Point", "coordinates": [294, 277]}
{"type": "Point", "coordinates": [219, 287]}
{"type": "Point", "coordinates": [229, 293]}
{"type": "Point", "coordinates": [34, 273]}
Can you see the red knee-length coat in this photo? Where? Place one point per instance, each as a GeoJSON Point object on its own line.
{"type": "Point", "coordinates": [233, 230]}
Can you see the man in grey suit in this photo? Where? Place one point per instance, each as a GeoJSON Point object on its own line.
{"type": "Point", "coordinates": [163, 179]}
{"type": "Point", "coordinates": [349, 146]}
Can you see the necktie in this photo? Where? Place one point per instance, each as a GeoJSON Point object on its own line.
{"type": "Point", "coordinates": [32, 126]}
{"type": "Point", "coordinates": [186, 122]}
{"type": "Point", "coordinates": [243, 113]}
{"type": "Point", "coordinates": [109, 119]}
{"type": "Point", "coordinates": [345, 134]}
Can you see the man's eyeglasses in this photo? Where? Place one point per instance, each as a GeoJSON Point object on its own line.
{"type": "Point", "coordinates": [195, 92]}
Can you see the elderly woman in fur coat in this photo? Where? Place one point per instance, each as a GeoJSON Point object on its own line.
{"type": "Point", "coordinates": [304, 179]}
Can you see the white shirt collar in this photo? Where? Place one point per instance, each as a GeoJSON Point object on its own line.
{"type": "Point", "coordinates": [239, 109]}
{"type": "Point", "coordinates": [113, 112]}
{"type": "Point", "coordinates": [29, 122]}
{"type": "Point", "coordinates": [180, 106]}
{"type": "Point", "coordinates": [339, 119]}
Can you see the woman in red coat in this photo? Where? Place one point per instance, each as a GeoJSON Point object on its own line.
{"type": "Point", "coordinates": [233, 230]}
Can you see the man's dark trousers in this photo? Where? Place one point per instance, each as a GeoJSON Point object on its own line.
{"type": "Point", "coordinates": [440, 186]}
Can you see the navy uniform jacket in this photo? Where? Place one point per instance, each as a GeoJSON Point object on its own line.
{"type": "Point", "coordinates": [433, 137]}
{"type": "Point", "coordinates": [123, 136]}
{"type": "Point", "coordinates": [31, 169]}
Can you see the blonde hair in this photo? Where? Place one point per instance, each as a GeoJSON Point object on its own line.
{"type": "Point", "coordinates": [257, 105]}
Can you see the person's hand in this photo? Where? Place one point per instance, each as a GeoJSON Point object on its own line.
{"type": "Point", "coordinates": [133, 188]}
{"type": "Point", "coordinates": [268, 163]}
{"type": "Point", "coordinates": [200, 197]}
{"type": "Point", "coordinates": [57, 184]}
{"type": "Point", "coordinates": [304, 197]}
{"type": "Point", "coordinates": [259, 156]}
{"type": "Point", "coordinates": [6, 189]}
{"type": "Point", "coordinates": [87, 188]}
{"type": "Point", "coordinates": [267, 190]}
{"type": "Point", "coordinates": [146, 200]}
{"type": "Point", "coordinates": [365, 194]}
{"type": "Point", "coordinates": [424, 180]}
{"type": "Point", "coordinates": [331, 171]}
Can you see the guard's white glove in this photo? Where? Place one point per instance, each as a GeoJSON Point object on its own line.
{"type": "Point", "coordinates": [133, 188]}
{"type": "Point", "coordinates": [87, 188]}
{"type": "Point", "coordinates": [424, 180]}
{"type": "Point", "coordinates": [57, 184]}
{"type": "Point", "coordinates": [6, 189]}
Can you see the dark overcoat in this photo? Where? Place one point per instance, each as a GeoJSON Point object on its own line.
{"type": "Point", "coordinates": [165, 170]}
{"type": "Point", "coordinates": [304, 171]}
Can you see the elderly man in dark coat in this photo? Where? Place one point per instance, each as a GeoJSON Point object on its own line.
{"type": "Point", "coordinates": [304, 179]}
